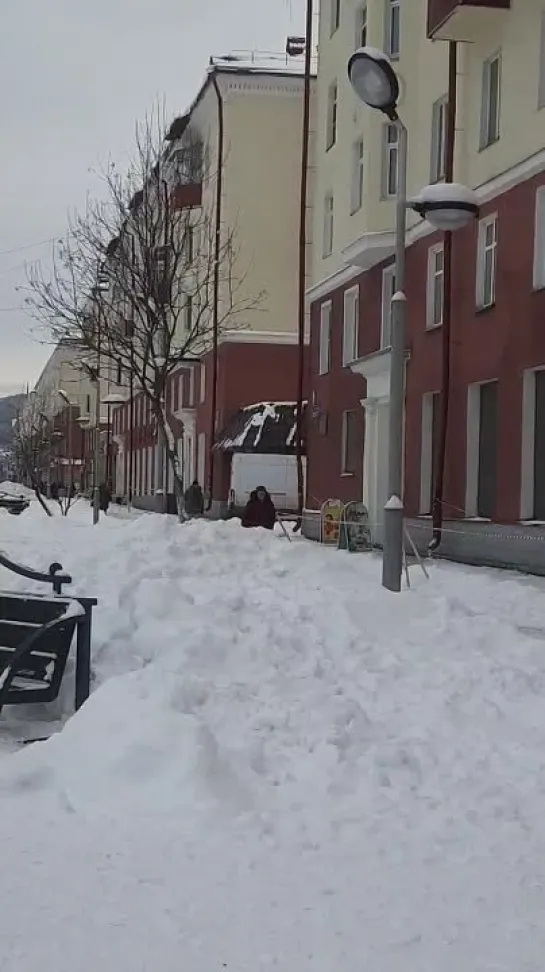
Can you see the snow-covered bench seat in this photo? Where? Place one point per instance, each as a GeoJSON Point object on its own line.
{"type": "Point", "coordinates": [36, 635]}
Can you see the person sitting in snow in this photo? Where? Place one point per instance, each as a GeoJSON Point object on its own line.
{"type": "Point", "coordinates": [104, 497]}
{"type": "Point", "coordinates": [260, 510]}
{"type": "Point", "coordinates": [194, 499]}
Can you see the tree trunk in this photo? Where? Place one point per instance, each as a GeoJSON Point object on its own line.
{"type": "Point", "coordinates": [174, 463]}
{"type": "Point", "coordinates": [39, 497]}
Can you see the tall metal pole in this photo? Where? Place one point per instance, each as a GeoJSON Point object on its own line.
{"type": "Point", "coordinates": [392, 562]}
{"type": "Point", "coordinates": [96, 461]}
{"type": "Point", "coordinates": [303, 262]}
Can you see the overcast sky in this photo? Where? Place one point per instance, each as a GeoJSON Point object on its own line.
{"type": "Point", "coordinates": [75, 76]}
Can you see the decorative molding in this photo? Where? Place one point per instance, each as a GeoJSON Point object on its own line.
{"type": "Point", "coordinates": [249, 336]}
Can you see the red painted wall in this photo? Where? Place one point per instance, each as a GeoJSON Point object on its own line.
{"type": "Point", "coordinates": [497, 343]}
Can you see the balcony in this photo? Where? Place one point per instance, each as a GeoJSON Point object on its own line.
{"type": "Point", "coordinates": [186, 195]}
{"type": "Point", "coordinates": [462, 20]}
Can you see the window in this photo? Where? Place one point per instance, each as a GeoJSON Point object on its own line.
{"type": "Point", "coordinates": [335, 10]}
{"type": "Point", "coordinates": [328, 225]}
{"type": "Point", "coordinates": [541, 81]}
{"type": "Point", "coordinates": [203, 382]}
{"type": "Point", "coordinates": [350, 444]}
{"type": "Point", "coordinates": [392, 28]}
{"type": "Point", "coordinates": [119, 373]}
{"type": "Point", "coordinates": [439, 139]}
{"type": "Point", "coordinates": [87, 404]}
{"type": "Point", "coordinates": [325, 339]}
{"type": "Point", "coordinates": [388, 291]}
{"type": "Point", "coordinates": [539, 240]}
{"type": "Point", "coordinates": [436, 286]}
{"type": "Point", "coordinates": [361, 26]}
{"type": "Point", "coordinates": [390, 159]}
{"type": "Point", "coordinates": [350, 325]}
{"type": "Point", "coordinates": [188, 312]}
{"type": "Point", "coordinates": [191, 389]}
{"type": "Point", "coordinates": [190, 243]}
{"type": "Point", "coordinates": [429, 449]}
{"type": "Point", "coordinates": [490, 108]}
{"type": "Point", "coordinates": [356, 190]}
{"type": "Point", "coordinates": [331, 130]}
{"type": "Point", "coordinates": [487, 244]}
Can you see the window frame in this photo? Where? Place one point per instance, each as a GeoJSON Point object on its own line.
{"type": "Point", "coordinates": [334, 17]}
{"type": "Point", "coordinates": [350, 333]}
{"type": "Point", "coordinates": [482, 303]}
{"type": "Point", "coordinates": [332, 114]}
{"type": "Point", "coordinates": [389, 17]}
{"type": "Point", "coordinates": [432, 276]}
{"type": "Point", "coordinates": [389, 148]}
{"type": "Point", "coordinates": [202, 385]}
{"type": "Point", "coordinates": [358, 175]}
{"type": "Point", "coordinates": [538, 273]}
{"type": "Point", "coordinates": [439, 115]}
{"type": "Point", "coordinates": [329, 225]}
{"type": "Point", "coordinates": [324, 342]}
{"type": "Point", "coordinates": [361, 26]}
{"type": "Point", "coordinates": [388, 291]}
{"type": "Point", "coordinates": [345, 442]}
{"type": "Point", "coordinates": [487, 136]}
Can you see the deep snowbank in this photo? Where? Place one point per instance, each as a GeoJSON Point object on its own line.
{"type": "Point", "coordinates": [299, 771]}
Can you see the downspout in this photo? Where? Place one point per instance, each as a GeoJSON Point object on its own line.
{"type": "Point", "coordinates": [450, 141]}
{"type": "Point", "coordinates": [303, 266]}
{"type": "Point", "coordinates": [215, 306]}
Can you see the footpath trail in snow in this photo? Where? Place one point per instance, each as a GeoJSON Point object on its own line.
{"type": "Point", "coordinates": [282, 766]}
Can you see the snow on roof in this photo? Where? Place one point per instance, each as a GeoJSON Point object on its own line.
{"type": "Point", "coordinates": [265, 427]}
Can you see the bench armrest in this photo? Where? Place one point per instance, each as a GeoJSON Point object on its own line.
{"type": "Point", "coordinates": [55, 575]}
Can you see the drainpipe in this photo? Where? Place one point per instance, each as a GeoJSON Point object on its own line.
{"type": "Point", "coordinates": [215, 307]}
{"type": "Point", "coordinates": [303, 265]}
{"type": "Point", "coordinates": [450, 140]}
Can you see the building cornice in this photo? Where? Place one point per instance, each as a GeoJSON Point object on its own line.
{"type": "Point", "coordinates": [248, 336]}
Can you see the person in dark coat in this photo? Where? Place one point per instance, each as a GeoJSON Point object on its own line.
{"type": "Point", "coordinates": [194, 499]}
{"type": "Point", "coordinates": [105, 497]}
{"type": "Point", "coordinates": [260, 510]}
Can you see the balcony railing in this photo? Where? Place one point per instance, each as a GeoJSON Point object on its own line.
{"type": "Point", "coordinates": [459, 20]}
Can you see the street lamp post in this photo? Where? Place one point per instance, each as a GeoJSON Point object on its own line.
{"type": "Point", "coordinates": [376, 84]}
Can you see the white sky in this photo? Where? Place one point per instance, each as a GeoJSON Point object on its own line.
{"type": "Point", "coordinates": [75, 76]}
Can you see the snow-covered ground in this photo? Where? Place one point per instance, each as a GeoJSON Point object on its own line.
{"type": "Point", "coordinates": [282, 766]}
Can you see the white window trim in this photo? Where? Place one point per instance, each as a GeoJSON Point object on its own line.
{"type": "Point", "coordinates": [344, 443]}
{"type": "Point", "coordinates": [332, 114]}
{"type": "Point", "coordinates": [329, 225]}
{"type": "Point", "coordinates": [389, 6]}
{"type": "Point", "coordinates": [388, 277]}
{"type": "Point", "coordinates": [430, 289]}
{"type": "Point", "coordinates": [426, 453]}
{"type": "Point", "coordinates": [357, 176]}
{"type": "Point", "coordinates": [334, 16]}
{"type": "Point", "coordinates": [485, 140]}
{"type": "Point", "coordinates": [481, 303]}
{"type": "Point", "coordinates": [539, 240]}
{"type": "Point", "coordinates": [324, 348]}
{"type": "Point", "coordinates": [388, 148]}
{"type": "Point", "coordinates": [439, 114]}
{"type": "Point", "coordinates": [361, 25]}
{"type": "Point", "coordinates": [351, 309]}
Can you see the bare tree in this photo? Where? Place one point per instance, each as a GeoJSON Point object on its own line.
{"type": "Point", "coordinates": [31, 444]}
{"type": "Point", "coordinates": [147, 277]}
{"type": "Point", "coordinates": [34, 441]}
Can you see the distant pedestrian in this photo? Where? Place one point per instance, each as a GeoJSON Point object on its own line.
{"type": "Point", "coordinates": [105, 497]}
{"type": "Point", "coordinates": [194, 499]}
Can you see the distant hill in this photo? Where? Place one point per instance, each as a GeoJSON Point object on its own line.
{"type": "Point", "coordinates": [8, 410]}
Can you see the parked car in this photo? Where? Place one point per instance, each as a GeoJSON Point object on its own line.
{"type": "Point", "coordinates": [13, 504]}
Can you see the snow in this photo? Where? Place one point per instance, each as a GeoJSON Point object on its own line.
{"type": "Point", "coordinates": [16, 489]}
{"type": "Point", "coordinates": [447, 192]}
{"type": "Point", "coordinates": [283, 766]}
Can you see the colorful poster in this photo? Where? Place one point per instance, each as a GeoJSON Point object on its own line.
{"type": "Point", "coordinates": [332, 511]}
{"type": "Point", "coordinates": [354, 532]}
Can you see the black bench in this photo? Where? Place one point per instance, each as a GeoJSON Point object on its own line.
{"type": "Point", "coordinates": [36, 635]}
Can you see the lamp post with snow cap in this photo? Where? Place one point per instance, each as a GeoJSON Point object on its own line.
{"type": "Point", "coordinates": [376, 84]}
